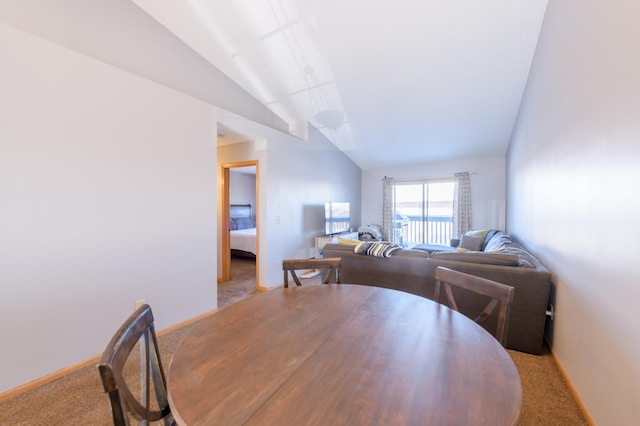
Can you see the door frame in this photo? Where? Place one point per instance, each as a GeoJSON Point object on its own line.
{"type": "Point", "coordinates": [226, 236]}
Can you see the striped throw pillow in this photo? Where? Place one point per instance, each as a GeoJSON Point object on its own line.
{"type": "Point", "coordinates": [376, 248]}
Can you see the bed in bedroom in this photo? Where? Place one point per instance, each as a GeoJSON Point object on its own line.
{"type": "Point", "coordinates": [242, 230]}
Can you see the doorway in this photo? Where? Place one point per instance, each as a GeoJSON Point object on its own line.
{"type": "Point", "coordinates": [239, 188]}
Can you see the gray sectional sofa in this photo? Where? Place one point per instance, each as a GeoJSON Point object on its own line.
{"type": "Point", "coordinates": [499, 259]}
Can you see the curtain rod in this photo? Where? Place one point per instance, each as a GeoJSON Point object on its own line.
{"type": "Point", "coordinates": [423, 178]}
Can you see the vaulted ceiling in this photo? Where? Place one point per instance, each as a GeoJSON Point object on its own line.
{"type": "Point", "coordinates": [389, 82]}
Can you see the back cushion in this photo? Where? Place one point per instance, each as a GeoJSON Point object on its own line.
{"type": "Point", "coordinates": [500, 259]}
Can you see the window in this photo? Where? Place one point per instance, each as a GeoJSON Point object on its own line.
{"type": "Point", "coordinates": [423, 211]}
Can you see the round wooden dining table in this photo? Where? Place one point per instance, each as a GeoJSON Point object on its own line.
{"type": "Point", "coordinates": [341, 355]}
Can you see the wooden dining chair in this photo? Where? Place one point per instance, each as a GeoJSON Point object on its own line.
{"type": "Point", "coordinates": [331, 264]}
{"type": "Point", "coordinates": [113, 368]}
{"type": "Point", "coordinates": [499, 295]}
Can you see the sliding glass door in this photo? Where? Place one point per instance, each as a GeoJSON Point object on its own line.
{"type": "Point", "coordinates": [423, 212]}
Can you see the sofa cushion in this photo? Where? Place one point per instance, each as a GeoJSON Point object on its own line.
{"type": "Point", "coordinates": [377, 249]}
{"type": "Point", "coordinates": [501, 259]}
{"type": "Point", "coordinates": [422, 254]}
{"type": "Point", "coordinates": [432, 247]}
{"type": "Point", "coordinates": [478, 233]}
{"type": "Point", "coordinates": [497, 241]}
{"type": "Point", "coordinates": [347, 241]}
{"type": "Point", "coordinates": [485, 234]}
{"type": "Point", "coordinates": [525, 259]}
{"type": "Point", "coordinates": [470, 242]}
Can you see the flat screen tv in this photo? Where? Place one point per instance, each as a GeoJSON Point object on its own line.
{"type": "Point", "coordinates": [336, 217]}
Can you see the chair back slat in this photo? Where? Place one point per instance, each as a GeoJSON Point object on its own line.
{"type": "Point", "coordinates": [500, 295]}
{"type": "Point", "coordinates": [331, 264]}
{"type": "Point", "coordinates": [138, 329]}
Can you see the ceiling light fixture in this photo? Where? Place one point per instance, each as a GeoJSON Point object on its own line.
{"type": "Point", "coordinates": [330, 119]}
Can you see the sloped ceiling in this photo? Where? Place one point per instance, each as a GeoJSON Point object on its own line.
{"type": "Point", "coordinates": [389, 82]}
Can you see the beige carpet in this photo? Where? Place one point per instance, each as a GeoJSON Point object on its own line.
{"type": "Point", "coordinates": [78, 398]}
{"type": "Point", "coordinates": [242, 284]}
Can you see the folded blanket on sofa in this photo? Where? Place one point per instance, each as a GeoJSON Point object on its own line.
{"type": "Point", "coordinates": [376, 248]}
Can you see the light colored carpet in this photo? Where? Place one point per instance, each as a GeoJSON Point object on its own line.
{"type": "Point", "coordinates": [242, 284]}
{"type": "Point", "coordinates": [79, 399]}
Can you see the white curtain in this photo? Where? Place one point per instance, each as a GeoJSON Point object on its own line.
{"type": "Point", "coordinates": [387, 209]}
{"type": "Point", "coordinates": [461, 204]}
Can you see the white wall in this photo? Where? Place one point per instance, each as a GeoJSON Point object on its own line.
{"type": "Point", "coordinates": [107, 184]}
{"type": "Point", "coordinates": [487, 185]}
{"type": "Point", "coordinates": [108, 179]}
{"type": "Point", "coordinates": [296, 177]}
{"type": "Point", "coordinates": [302, 176]}
{"type": "Point", "coordinates": [572, 197]}
{"type": "Point", "coordinates": [242, 188]}
{"type": "Point", "coordinates": [120, 33]}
